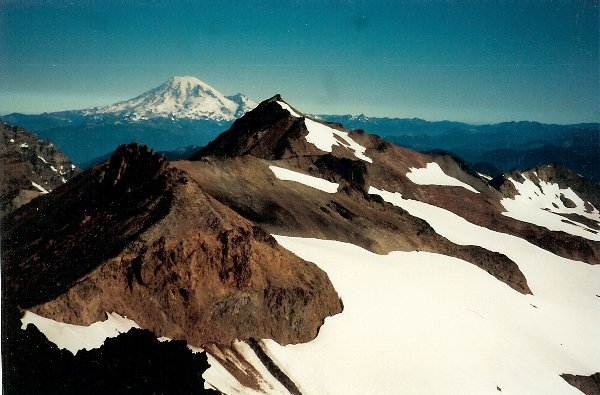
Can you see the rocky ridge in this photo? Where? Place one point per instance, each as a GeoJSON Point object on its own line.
{"type": "Point", "coordinates": [137, 236]}
{"type": "Point", "coordinates": [30, 167]}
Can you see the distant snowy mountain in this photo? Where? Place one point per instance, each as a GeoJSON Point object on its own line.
{"type": "Point", "coordinates": [180, 97]}
{"type": "Point", "coordinates": [183, 111]}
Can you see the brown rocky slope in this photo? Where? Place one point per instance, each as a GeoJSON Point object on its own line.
{"type": "Point", "coordinates": [138, 237]}
{"type": "Point", "coordinates": [227, 168]}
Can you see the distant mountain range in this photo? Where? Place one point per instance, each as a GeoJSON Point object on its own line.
{"type": "Point", "coordinates": [185, 111]}
{"type": "Point", "coordinates": [492, 149]}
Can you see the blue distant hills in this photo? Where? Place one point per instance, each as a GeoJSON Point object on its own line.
{"type": "Point", "coordinates": [492, 149]}
{"type": "Point", "coordinates": [489, 149]}
{"type": "Point", "coordinates": [185, 112]}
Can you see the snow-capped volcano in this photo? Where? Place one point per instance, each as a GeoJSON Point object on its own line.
{"type": "Point", "coordinates": [180, 97]}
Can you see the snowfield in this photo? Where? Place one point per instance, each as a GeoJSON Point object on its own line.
{"type": "Point", "coordinates": [324, 137]}
{"type": "Point", "coordinates": [432, 174]}
{"type": "Point", "coordinates": [77, 337]}
{"type": "Point", "coordinates": [423, 323]}
{"type": "Point", "coordinates": [313, 182]}
{"type": "Point", "coordinates": [540, 205]}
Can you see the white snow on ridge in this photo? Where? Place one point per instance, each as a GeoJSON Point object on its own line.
{"type": "Point", "coordinates": [311, 181]}
{"type": "Point", "coordinates": [538, 205]}
{"type": "Point", "coordinates": [38, 186]}
{"type": "Point", "coordinates": [287, 107]}
{"type": "Point", "coordinates": [485, 176]}
{"type": "Point", "coordinates": [77, 337]}
{"type": "Point", "coordinates": [432, 174]}
{"type": "Point", "coordinates": [412, 316]}
{"type": "Point", "coordinates": [42, 159]}
{"type": "Point", "coordinates": [325, 137]}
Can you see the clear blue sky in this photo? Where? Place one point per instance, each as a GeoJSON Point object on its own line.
{"type": "Point", "coordinates": [474, 61]}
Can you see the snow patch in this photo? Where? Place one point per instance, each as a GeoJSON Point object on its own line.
{"type": "Point", "coordinates": [287, 107]}
{"type": "Point", "coordinates": [484, 176]}
{"type": "Point", "coordinates": [76, 337]}
{"type": "Point", "coordinates": [540, 205]}
{"type": "Point", "coordinates": [432, 174]}
{"type": "Point", "coordinates": [311, 181]}
{"type": "Point", "coordinates": [12, 140]}
{"type": "Point", "coordinates": [38, 186]}
{"type": "Point", "coordinates": [42, 159]}
{"type": "Point", "coordinates": [24, 145]}
{"type": "Point", "coordinates": [324, 137]}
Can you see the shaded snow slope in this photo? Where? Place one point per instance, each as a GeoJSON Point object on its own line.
{"type": "Point", "coordinates": [76, 337]}
{"type": "Point", "coordinates": [444, 326]}
{"type": "Point", "coordinates": [541, 204]}
{"type": "Point", "coordinates": [325, 138]}
{"type": "Point", "coordinates": [432, 174]}
{"type": "Point", "coordinates": [244, 358]}
{"type": "Point", "coordinates": [313, 182]}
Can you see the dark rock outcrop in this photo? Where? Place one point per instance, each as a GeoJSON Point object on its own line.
{"type": "Point", "coordinates": [139, 237]}
{"type": "Point", "coordinates": [589, 385]}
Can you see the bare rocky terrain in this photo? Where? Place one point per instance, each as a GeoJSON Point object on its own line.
{"type": "Point", "coordinates": [137, 236]}
{"type": "Point", "coordinates": [25, 160]}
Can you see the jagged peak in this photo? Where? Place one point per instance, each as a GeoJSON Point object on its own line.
{"type": "Point", "coordinates": [133, 163]}
{"type": "Point", "coordinates": [276, 130]}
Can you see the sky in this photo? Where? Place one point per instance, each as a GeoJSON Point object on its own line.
{"type": "Point", "coordinates": [470, 61]}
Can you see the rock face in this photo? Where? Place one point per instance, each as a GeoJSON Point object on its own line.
{"type": "Point", "coordinates": [30, 167]}
{"type": "Point", "coordinates": [137, 236]}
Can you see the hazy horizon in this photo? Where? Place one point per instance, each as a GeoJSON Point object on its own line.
{"type": "Point", "coordinates": [435, 60]}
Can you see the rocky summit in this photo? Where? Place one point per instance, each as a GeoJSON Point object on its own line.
{"type": "Point", "coordinates": [140, 237]}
